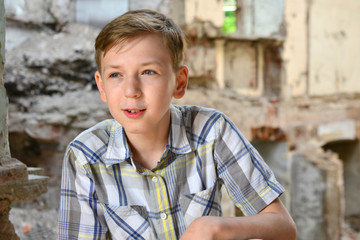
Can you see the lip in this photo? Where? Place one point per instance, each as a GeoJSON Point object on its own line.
{"type": "Point", "coordinates": [133, 112]}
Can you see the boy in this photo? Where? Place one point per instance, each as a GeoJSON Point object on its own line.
{"type": "Point", "coordinates": [155, 170]}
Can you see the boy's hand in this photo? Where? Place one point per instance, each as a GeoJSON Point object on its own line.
{"type": "Point", "coordinates": [204, 228]}
{"type": "Point", "coordinates": [273, 222]}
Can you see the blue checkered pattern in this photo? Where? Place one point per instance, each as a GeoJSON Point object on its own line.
{"type": "Point", "coordinates": [105, 194]}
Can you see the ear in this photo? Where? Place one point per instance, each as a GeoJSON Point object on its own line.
{"type": "Point", "coordinates": [100, 86]}
{"type": "Point", "coordinates": [182, 76]}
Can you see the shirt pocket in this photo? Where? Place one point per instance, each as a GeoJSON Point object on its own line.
{"type": "Point", "coordinates": [204, 203]}
{"type": "Point", "coordinates": [128, 222]}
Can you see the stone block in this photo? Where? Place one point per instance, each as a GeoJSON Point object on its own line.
{"type": "Point", "coordinates": [16, 184]}
{"type": "Point", "coordinates": [11, 170]}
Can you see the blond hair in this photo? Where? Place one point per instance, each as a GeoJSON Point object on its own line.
{"type": "Point", "coordinates": [135, 23]}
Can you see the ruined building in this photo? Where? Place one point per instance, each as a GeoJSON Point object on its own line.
{"type": "Point", "coordinates": [285, 71]}
{"type": "Point", "coordinates": [17, 181]}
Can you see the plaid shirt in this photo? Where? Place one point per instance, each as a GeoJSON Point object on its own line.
{"type": "Point", "coordinates": [104, 194]}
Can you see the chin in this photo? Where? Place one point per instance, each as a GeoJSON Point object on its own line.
{"type": "Point", "coordinates": [133, 129]}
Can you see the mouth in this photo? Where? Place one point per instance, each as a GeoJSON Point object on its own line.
{"type": "Point", "coordinates": [133, 112]}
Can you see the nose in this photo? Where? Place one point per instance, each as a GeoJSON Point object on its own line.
{"type": "Point", "coordinates": [132, 87]}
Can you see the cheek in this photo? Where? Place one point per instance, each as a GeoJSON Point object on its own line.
{"type": "Point", "coordinates": [110, 95]}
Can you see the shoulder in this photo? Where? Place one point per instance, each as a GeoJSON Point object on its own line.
{"type": "Point", "coordinates": [202, 122]}
{"type": "Point", "coordinates": [89, 142]}
{"type": "Point", "coordinates": [99, 131]}
{"type": "Point", "coordinates": [194, 112]}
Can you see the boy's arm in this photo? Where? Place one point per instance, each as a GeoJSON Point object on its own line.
{"type": "Point", "coordinates": [273, 222]}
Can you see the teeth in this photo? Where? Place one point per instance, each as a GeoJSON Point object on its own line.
{"type": "Point", "coordinates": [133, 111]}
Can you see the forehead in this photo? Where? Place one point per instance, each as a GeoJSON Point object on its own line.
{"type": "Point", "coordinates": [129, 42]}
{"type": "Point", "coordinates": [137, 50]}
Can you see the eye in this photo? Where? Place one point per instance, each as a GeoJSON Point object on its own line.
{"type": "Point", "coordinates": [115, 75]}
{"type": "Point", "coordinates": [148, 72]}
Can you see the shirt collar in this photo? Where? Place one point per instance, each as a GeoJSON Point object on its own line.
{"type": "Point", "coordinates": [118, 149]}
{"type": "Point", "coordinates": [178, 141]}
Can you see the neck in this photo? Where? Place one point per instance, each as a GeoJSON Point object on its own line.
{"type": "Point", "coordinates": [147, 149]}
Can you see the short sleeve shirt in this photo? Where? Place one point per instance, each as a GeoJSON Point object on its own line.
{"type": "Point", "coordinates": [106, 195]}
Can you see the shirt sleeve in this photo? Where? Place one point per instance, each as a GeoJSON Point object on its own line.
{"type": "Point", "coordinates": [80, 215]}
{"type": "Point", "coordinates": [248, 180]}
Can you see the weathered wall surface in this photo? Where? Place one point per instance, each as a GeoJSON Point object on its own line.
{"type": "Point", "coordinates": [241, 65]}
{"type": "Point", "coordinates": [334, 48]}
{"type": "Point", "coordinates": [41, 11]}
{"type": "Point", "coordinates": [4, 145]}
{"type": "Point", "coordinates": [295, 51]}
{"type": "Point", "coordinates": [203, 10]}
{"type": "Point", "coordinates": [92, 12]}
{"type": "Point", "coordinates": [260, 18]}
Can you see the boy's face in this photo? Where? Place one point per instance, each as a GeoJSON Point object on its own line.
{"type": "Point", "coordinates": [137, 81]}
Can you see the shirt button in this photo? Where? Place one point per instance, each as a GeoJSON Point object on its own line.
{"type": "Point", "coordinates": [155, 179]}
{"type": "Point", "coordinates": [163, 216]}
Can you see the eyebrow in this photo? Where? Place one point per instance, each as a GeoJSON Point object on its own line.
{"type": "Point", "coordinates": [156, 62]}
{"type": "Point", "coordinates": [146, 63]}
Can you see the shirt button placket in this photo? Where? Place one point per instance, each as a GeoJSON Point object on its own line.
{"type": "Point", "coordinates": [163, 205]}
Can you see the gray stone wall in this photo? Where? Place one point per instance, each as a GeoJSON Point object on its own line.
{"type": "Point", "coordinates": [51, 12]}
{"type": "Point", "coordinates": [4, 145]}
